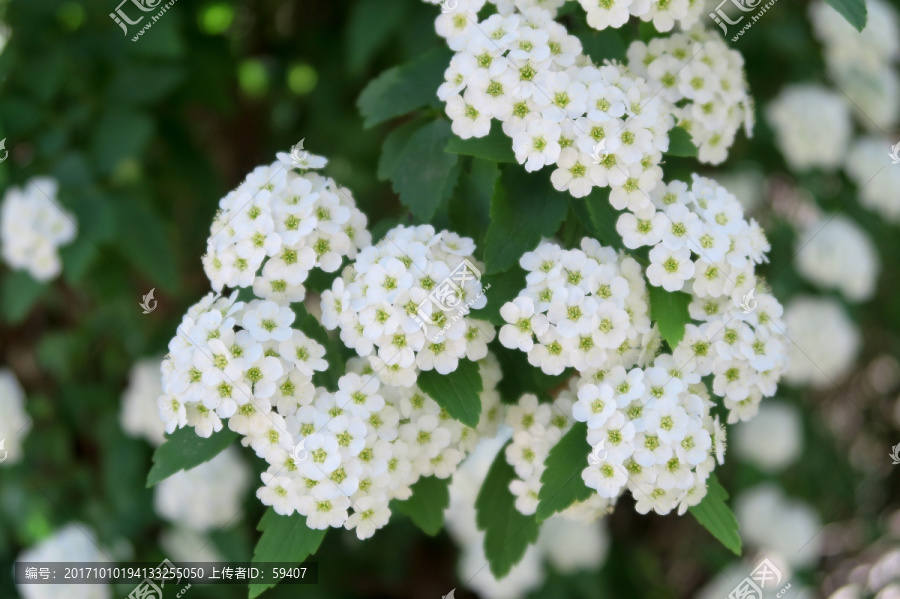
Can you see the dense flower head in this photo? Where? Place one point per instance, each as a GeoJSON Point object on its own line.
{"type": "Point", "coordinates": [796, 116]}
{"type": "Point", "coordinates": [406, 302]}
{"type": "Point", "coordinates": [284, 221]}
{"type": "Point", "coordinates": [32, 228]}
{"type": "Point", "coordinates": [704, 83]}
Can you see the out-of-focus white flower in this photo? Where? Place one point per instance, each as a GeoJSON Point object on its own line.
{"type": "Point", "coordinates": [824, 341]}
{"type": "Point", "coordinates": [570, 545]}
{"type": "Point", "coordinates": [74, 542]}
{"type": "Point", "coordinates": [14, 421]}
{"type": "Point", "coordinates": [32, 228]}
{"type": "Point", "coordinates": [207, 496]}
{"type": "Point", "coordinates": [773, 440]}
{"type": "Point", "coordinates": [797, 115]}
{"type": "Point", "coordinates": [870, 166]}
{"type": "Point", "coordinates": [140, 413]}
{"type": "Point", "coordinates": [836, 253]}
{"type": "Point", "coordinates": [777, 524]}
{"type": "Point", "coordinates": [182, 544]}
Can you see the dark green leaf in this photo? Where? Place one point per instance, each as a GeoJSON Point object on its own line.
{"type": "Point", "coordinates": [183, 450]}
{"type": "Point", "coordinates": [402, 89]}
{"type": "Point", "coordinates": [456, 392]}
{"type": "Point", "coordinates": [470, 208]}
{"type": "Point", "coordinates": [20, 292]}
{"type": "Point", "coordinates": [853, 10]}
{"type": "Point", "coordinates": [524, 208]}
{"type": "Point", "coordinates": [505, 287]}
{"type": "Point", "coordinates": [284, 539]}
{"type": "Point", "coordinates": [144, 241]}
{"type": "Point", "coordinates": [715, 515]}
{"type": "Point", "coordinates": [601, 217]}
{"type": "Point", "coordinates": [369, 27]}
{"type": "Point", "coordinates": [507, 533]}
{"type": "Point", "coordinates": [393, 147]}
{"type": "Point", "coordinates": [494, 146]}
{"type": "Point", "coordinates": [670, 311]}
{"type": "Point", "coordinates": [430, 497]}
{"type": "Point", "coordinates": [423, 169]}
{"type": "Point", "coordinates": [680, 143]}
{"type": "Point", "coordinates": [602, 45]}
{"type": "Point", "coordinates": [561, 482]}
{"type": "Point", "coordinates": [120, 135]}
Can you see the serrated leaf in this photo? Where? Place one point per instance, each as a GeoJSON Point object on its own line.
{"type": "Point", "coordinates": [670, 311]}
{"type": "Point", "coordinates": [494, 146]}
{"type": "Point", "coordinates": [715, 515]}
{"type": "Point", "coordinates": [430, 497]}
{"type": "Point", "coordinates": [507, 533]}
{"type": "Point", "coordinates": [853, 10]}
{"type": "Point", "coordinates": [183, 450]}
{"type": "Point", "coordinates": [561, 482]}
{"type": "Point", "coordinates": [404, 88]}
{"type": "Point", "coordinates": [456, 392]}
{"type": "Point", "coordinates": [599, 217]}
{"type": "Point", "coordinates": [284, 539]}
{"type": "Point", "coordinates": [505, 287]}
{"type": "Point", "coordinates": [524, 208]}
{"type": "Point", "coordinates": [423, 169]}
{"type": "Point", "coordinates": [681, 144]}
{"type": "Point", "coordinates": [393, 145]}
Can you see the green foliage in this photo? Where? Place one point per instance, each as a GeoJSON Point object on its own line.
{"type": "Point", "coordinates": [853, 10]}
{"type": "Point", "coordinates": [402, 89]}
{"type": "Point", "coordinates": [507, 533]}
{"type": "Point", "coordinates": [494, 146]}
{"type": "Point", "coordinates": [284, 539]}
{"type": "Point", "coordinates": [715, 515]}
{"type": "Point", "coordinates": [430, 497]}
{"type": "Point", "coordinates": [422, 170]}
{"type": "Point", "coordinates": [18, 294]}
{"type": "Point", "coordinates": [505, 287]}
{"type": "Point", "coordinates": [670, 311]}
{"type": "Point", "coordinates": [456, 392]}
{"type": "Point", "coordinates": [681, 144]}
{"type": "Point", "coordinates": [524, 203]}
{"type": "Point", "coordinates": [183, 450]}
{"type": "Point", "coordinates": [561, 483]}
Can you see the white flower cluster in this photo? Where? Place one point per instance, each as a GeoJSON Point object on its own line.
{"type": "Point", "coordinates": [14, 421]}
{"type": "Point", "coordinates": [836, 253]}
{"type": "Point", "coordinates": [285, 222]}
{"type": "Point", "coordinates": [796, 116]}
{"type": "Point", "coordinates": [405, 302]}
{"type": "Point", "coordinates": [139, 416]}
{"type": "Point", "coordinates": [207, 497]}
{"type": "Point", "coordinates": [585, 308]}
{"type": "Point", "coordinates": [784, 528]}
{"type": "Point", "coordinates": [825, 341]}
{"type": "Point", "coordinates": [704, 82]}
{"type": "Point", "coordinates": [871, 167]}
{"type": "Point", "coordinates": [862, 64]}
{"type": "Point", "coordinates": [600, 127]}
{"type": "Point", "coordinates": [664, 14]}
{"type": "Point", "coordinates": [74, 542]}
{"type": "Point", "coordinates": [32, 228]}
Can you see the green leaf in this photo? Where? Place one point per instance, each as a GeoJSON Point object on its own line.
{"type": "Point", "coordinates": [599, 217]}
{"type": "Point", "coordinates": [430, 497]}
{"type": "Point", "coordinates": [183, 450]}
{"type": "Point", "coordinates": [507, 533]}
{"type": "Point", "coordinates": [20, 292]}
{"type": "Point", "coordinates": [393, 146]}
{"type": "Point", "coordinates": [369, 27]}
{"type": "Point", "coordinates": [524, 208]}
{"type": "Point", "coordinates": [284, 539]}
{"type": "Point", "coordinates": [681, 144]}
{"type": "Point", "coordinates": [456, 392]}
{"type": "Point", "coordinates": [423, 169]}
{"type": "Point", "coordinates": [120, 135]}
{"type": "Point", "coordinates": [494, 146]}
{"type": "Point", "coordinates": [505, 287]}
{"type": "Point", "coordinates": [143, 240]}
{"type": "Point", "coordinates": [853, 10]}
{"type": "Point", "coordinates": [602, 45]}
{"type": "Point", "coordinates": [715, 515]}
{"type": "Point", "coordinates": [670, 311]}
{"type": "Point", "coordinates": [470, 208]}
{"type": "Point", "coordinates": [561, 483]}
{"type": "Point", "coordinates": [404, 88]}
